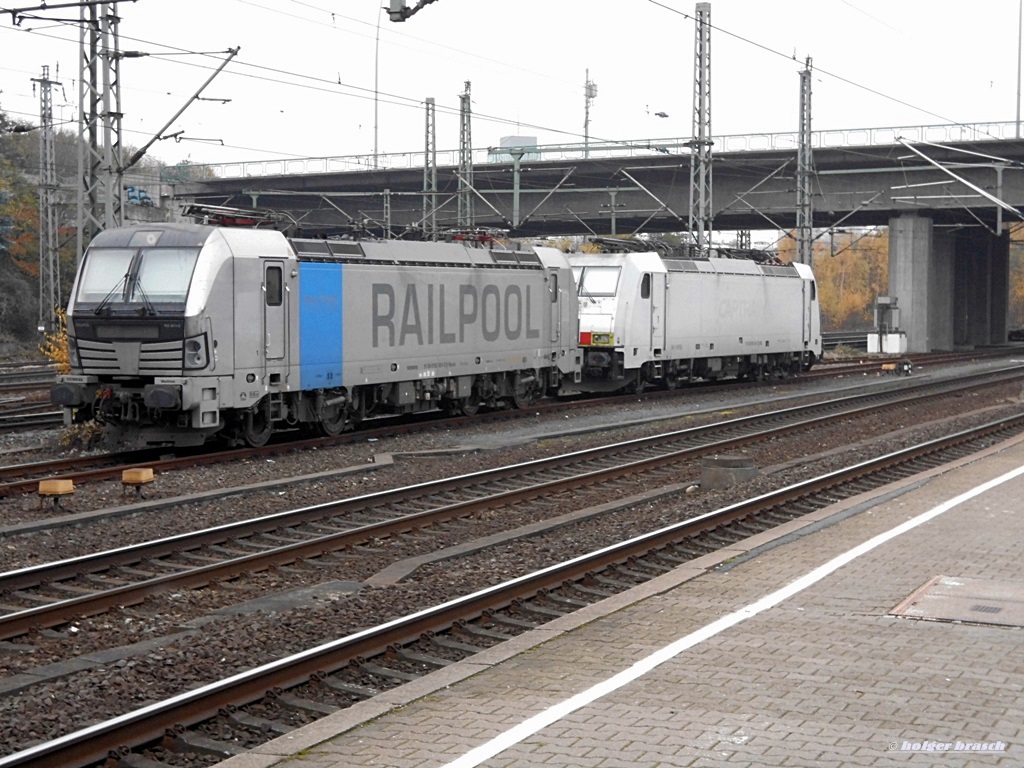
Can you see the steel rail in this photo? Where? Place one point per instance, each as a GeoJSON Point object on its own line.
{"type": "Point", "coordinates": [842, 368]}
{"type": "Point", "coordinates": [22, 479]}
{"type": "Point", "coordinates": [26, 418]}
{"type": "Point", "coordinates": [109, 466]}
{"type": "Point", "coordinates": [18, 479]}
{"type": "Point", "coordinates": [22, 578]}
{"type": "Point", "coordinates": [55, 613]}
{"type": "Point", "coordinates": [93, 743]}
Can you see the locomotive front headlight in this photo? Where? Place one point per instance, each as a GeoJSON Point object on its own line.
{"type": "Point", "coordinates": [195, 352]}
{"type": "Point", "coordinates": [73, 360]}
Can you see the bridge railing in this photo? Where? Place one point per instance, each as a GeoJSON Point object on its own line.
{"type": "Point", "coordinates": [753, 142]}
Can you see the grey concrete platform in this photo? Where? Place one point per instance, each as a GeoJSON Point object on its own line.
{"type": "Point", "coordinates": [783, 651]}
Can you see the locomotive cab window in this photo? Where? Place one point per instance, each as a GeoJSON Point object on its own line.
{"type": "Point", "coordinates": [275, 289]}
{"type": "Point", "coordinates": [103, 273]}
{"type": "Point", "coordinates": [597, 281]}
{"type": "Point", "coordinates": [645, 286]}
{"type": "Point", "coordinates": [131, 275]}
{"type": "Point", "coordinates": [165, 273]}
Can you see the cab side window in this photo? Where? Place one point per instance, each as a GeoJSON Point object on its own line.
{"type": "Point", "coordinates": [275, 286]}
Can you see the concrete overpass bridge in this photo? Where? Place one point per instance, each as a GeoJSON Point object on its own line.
{"type": "Point", "coordinates": [945, 191]}
{"type": "Point", "coordinates": [862, 177]}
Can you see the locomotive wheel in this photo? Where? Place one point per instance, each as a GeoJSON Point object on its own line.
{"type": "Point", "coordinates": [524, 391]}
{"type": "Point", "coordinates": [332, 421]}
{"type": "Point", "coordinates": [471, 404]}
{"type": "Point", "coordinates": [256, 427]}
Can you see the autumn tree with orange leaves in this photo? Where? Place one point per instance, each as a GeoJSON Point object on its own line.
{"type": "Point", "coordinates": [1016, 310]}
{"type": "Point", "coordinates": [19, 228]}
{"type": "Point", "coordinates": [852, 271]}
{"type": "Point", "coordinates": [19, 294]}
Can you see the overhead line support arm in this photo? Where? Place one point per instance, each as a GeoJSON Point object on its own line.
{"type": "Point", "coordinates": [160, 134]}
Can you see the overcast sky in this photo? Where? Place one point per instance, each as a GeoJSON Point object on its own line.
{"type": "Point", "coordinates": [303, 81]}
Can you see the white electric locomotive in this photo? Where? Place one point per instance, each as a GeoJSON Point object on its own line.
{"type": "Point", "coordinates": [182, 331]}
{"type": "Point", "coordinates": [646, 319]}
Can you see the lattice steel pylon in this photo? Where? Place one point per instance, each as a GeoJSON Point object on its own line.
{"type": "Point", "coordinates": [430, 173]}
{"type": "Point", "coordinates": [99, 122]}
{"type": "Point", "coordinates": [700, 144]}
{"type": "Point", "coordinates": [465, 160]}
{"type": "Point", "coordinates": [804, 171]}
{"type": "Point", "coordinates": [49, 255]}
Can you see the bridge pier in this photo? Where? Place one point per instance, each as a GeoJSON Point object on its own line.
{"type": "Point", "coordinates": [982, 287]}
{"type": "Point", "coordinates": [952, 287]}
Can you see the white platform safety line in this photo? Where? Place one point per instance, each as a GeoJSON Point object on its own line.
{"type": "Point", "coordinates": [553, 714]}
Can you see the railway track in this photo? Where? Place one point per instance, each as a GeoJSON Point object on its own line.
{"type": "Point", "coordinates": [24, 478]}
{"type": "Point", "coordinates": [52, 594]}
{"type": "Point", "coordinates": [29, 417]}
{"type": "Point", "coordinates": [280, 695]}
{"type": "Point", "coordinates": [26, 376]}
{"type": "Point", "coordinates": [25, 397]}
{"type": "Point", "coordinates": [917, 361]}
{"type": "Point", "coordinates": [19, 479]}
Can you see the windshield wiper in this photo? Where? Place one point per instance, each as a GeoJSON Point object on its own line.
{"type": "Point", "coordinates": [106, 299]}
{"type": "Point", "coordinates": [585, 292]}
{"type": "Point", "coordinates": [147, 308]}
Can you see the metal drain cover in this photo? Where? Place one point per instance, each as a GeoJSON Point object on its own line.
{"type": "Point", "coordinates": [972, 601]}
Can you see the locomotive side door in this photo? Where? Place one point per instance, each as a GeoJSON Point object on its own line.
{"type": "Point", "coordinates": [635, 305]}
{"type": "Point", "coordinates": [808, 295]}
{"type": "Point", "coordinates": [659, 289]}
{"type": "Point", "coordinates": [649, 315]}
{"type": "Point", "coordinates": [565, 321]}
{"type": "Point", "coordinates": [274, 320]}
{"type": "Point", "coordinates": [555, 306]}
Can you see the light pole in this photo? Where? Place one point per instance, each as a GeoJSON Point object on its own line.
{"type": "Point", "coordinates": [376, 71]}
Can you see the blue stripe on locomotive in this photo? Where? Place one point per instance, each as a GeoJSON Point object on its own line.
{"type": "Point", "coordinates": [321, 349]}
